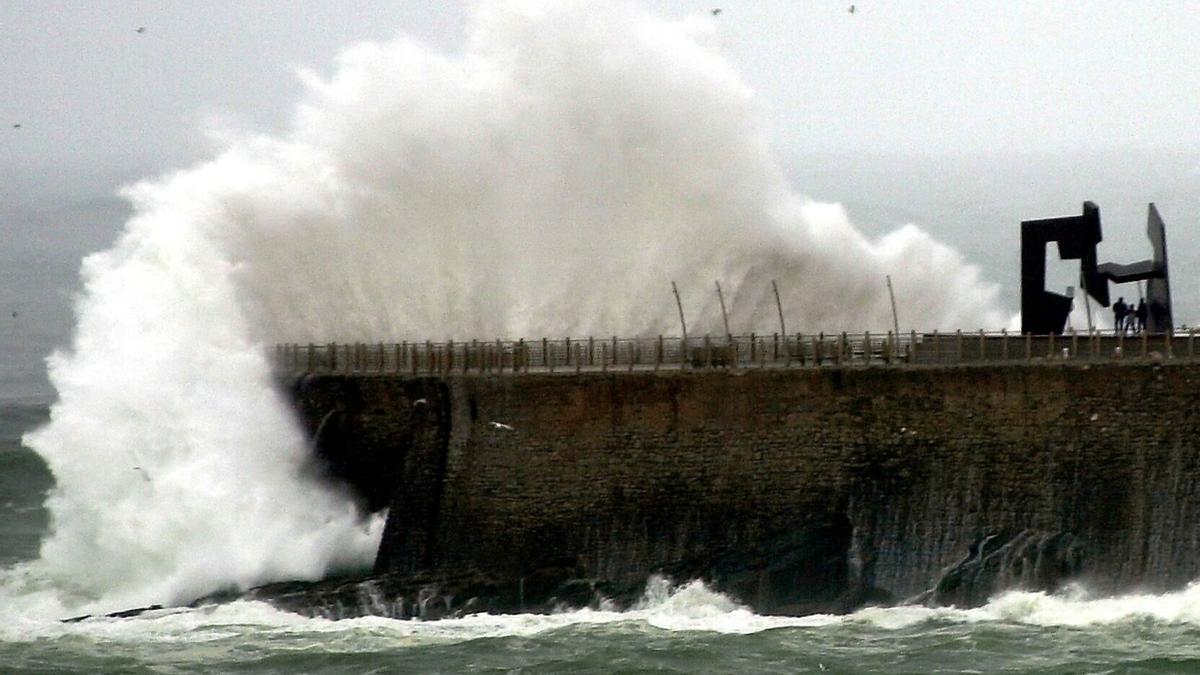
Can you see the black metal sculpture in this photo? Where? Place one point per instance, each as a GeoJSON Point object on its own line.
{"type": "Point", "coordinates": [1044, 312]}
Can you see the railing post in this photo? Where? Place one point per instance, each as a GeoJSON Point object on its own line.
{"type": "Point", "coordinates": [578, 359]}
{"type": "Point", "coordinates": [775, 346]}
{"type": "Point", "coordinates": [708, 362]}
{"type": "Point", "coordinates": [1191, 339]}
{"type": "Point", "coordinates": [545, 353]}
{"type": "Point", "coordinates": [982, 346]}
{"type": "Point", "coordinates": [658, 353]}
{"type": "Point", "coordinates": [912, 347]}
{"type": "Point", "coordinates": [632, 353]}
{"type": "Point", "coordinates": [415, 359]}
{"type": "Point", "coordinates": [840, 345]}
{"type": "Point", "coordinates": [428, 356]}
{"type": "Point", "coordinates": [1004, 344]}
{"type": "Point", "coordinates": [604, 357]}
{"type": "Point", "coordinates": [866, 347]}
{"type": "Point", "coordinates": [787, 349]}
{"type": "Point", "coordinates": [591, 351]}
{"type": "Point", "coordinates": [753, 348]}
{"type": "Point", "coordinates": [817, 340]}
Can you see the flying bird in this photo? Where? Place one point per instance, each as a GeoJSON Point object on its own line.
{"type": "Point", "coordinates": [140, 29]}
{"type": "Point", "coordinates": [17, 126]}
{"type": "Point", "coordinates": [716, 11]}
{"type": "Point", "coordinates": [502, 426]}
{"type": "Point", "coordinates": [851, 9]}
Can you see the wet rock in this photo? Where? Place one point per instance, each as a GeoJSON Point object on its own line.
{"type": "Point", "coordinates": [1026, 560]}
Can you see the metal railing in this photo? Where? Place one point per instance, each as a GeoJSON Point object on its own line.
{"type": "Point", "coordinates": [733, 352]}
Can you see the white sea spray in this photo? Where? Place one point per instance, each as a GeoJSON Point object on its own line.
{"type": "Point", "coordinates": [553, 178]}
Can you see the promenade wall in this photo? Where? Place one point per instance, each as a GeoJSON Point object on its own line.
{"type": "Point", "coordinates": [794, 489]}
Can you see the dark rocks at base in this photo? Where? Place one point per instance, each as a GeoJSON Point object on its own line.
{"type": "Point", "coordinates": [123, 614]}
{"type": "Point", "coordinates": [439, 596]}
{"type": "Point", "coordinates": [802, 571]}
{"type": "Point", "coordinates": [1026, 560]}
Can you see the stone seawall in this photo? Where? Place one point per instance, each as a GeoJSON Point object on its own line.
{"type": "Point", "coordinates": [794, 490]}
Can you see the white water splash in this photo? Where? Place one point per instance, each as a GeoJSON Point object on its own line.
{"type": "Point", "coordinates": [552, 179]}
{"type": "Point", "coordinates": [690, 607]}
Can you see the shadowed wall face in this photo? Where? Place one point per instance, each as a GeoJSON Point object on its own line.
{"type": "Point", "coordinates": [801, 490]}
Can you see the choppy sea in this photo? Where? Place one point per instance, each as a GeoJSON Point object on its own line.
{"type": "Point", "coordinates": [683, 628]}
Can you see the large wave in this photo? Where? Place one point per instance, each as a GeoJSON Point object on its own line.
{"type": "Point", "coordinates": [552, 178]}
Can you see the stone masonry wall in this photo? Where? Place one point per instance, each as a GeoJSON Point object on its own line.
{"type": "Point", "coordinates": [797, 489]}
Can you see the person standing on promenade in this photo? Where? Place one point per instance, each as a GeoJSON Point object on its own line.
{"type": "Point", "coordinates": [1120, 309]}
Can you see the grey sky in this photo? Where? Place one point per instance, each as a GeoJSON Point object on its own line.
{"type": "Point", "coordinates": [1034, 84]}
{"type": "Point", "coordinates": [904, 77]}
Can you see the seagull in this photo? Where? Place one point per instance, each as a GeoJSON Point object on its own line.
{"type": "Point", "coordinates": [17, 125]}
{"type": "Point", "coordinates": [716, 11]}
{"type": "Point", "coordinates": [14, 314]}
{"type": "Point", "coordinates": [851, 9]}
{"type": "Point", "coordinates": [140, 29]}
{"type": "Point", "coordinates": [501, 425]}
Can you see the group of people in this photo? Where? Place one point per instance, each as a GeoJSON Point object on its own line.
{"type": "Point", "coordinates": [1129, 318]}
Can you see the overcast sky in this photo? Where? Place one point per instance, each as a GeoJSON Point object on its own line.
{"type": "Point", "coordinates": [94, 96]}
{"type": "Point", "coordinates": [101, 104]}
